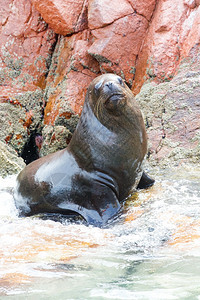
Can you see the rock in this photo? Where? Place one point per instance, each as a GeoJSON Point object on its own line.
{"type": "Point", "coordinates": [71, 72]}
{"type": "Point", "coordinates": [144, 7]}
{"type": "Point", "coordinates": [197, 2]}
{"type": "Point", "coordinates": [56, 138]}
{"type": "Point", "coordinates": [155, 53]}
{"type": "Point", "coordinates": [172, 112]}
{"type": "Point", "coordinates": [44, 77]}
{"type": "Point", "coordinates": [20, 114]}
{"type": "Point", "coordinates": [9, 161]}
{"type": "Point", "coordinates": [190, 32]}
{"type": "Point", "coordinates": [112, 44]}
{"type": "Point", "coordinates": [169, 39]}
{"type": "Point", "coordinates": [26, 47]}
{"type": "Point", "coordinates": [104, 12]}
{"type": "Point", "coordinates": [190, 3]}
{"type": "Point", "coordinates": [64, 17]}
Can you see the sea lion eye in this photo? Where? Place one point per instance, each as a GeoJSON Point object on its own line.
{"type": "Point", "coordinates": [120, 81]}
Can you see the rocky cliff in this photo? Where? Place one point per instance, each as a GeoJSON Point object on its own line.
{"type": "Point", "coordinates": [52, 49]}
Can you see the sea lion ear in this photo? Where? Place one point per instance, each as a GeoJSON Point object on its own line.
{"type": "Point", "coordinates": [145, 182]}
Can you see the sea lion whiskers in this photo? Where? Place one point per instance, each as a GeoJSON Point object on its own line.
{"type": "Point", "coordinates": [98, 107]}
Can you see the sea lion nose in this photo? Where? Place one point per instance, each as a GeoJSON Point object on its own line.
{"type": "Point", "coordinates": [109, 85]}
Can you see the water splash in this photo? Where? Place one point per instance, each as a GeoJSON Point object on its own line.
{"type": "Point", "coordinates": [151, 252]}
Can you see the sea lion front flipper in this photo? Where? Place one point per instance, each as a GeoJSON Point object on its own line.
{"type": "Point", "coordinates": [96, 206]}
{"type": "Point", "coordinates": [145, 182]}
{"type": "Point", "coordinates": [104, 206]}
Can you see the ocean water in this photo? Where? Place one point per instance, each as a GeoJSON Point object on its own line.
{"type": "Point", "coordinates": [151, 251]}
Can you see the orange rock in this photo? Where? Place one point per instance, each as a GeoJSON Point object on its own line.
{"type": "Point", "coordinates": [190, 33]}
{"type": "Point", "coordinates": [104, 12]}
{"type": "Point", "coordinates": [139, 40]}
{"type": "Point", "coordinates": [72, 71]}
{"type": "Point", "coordinates": [81, 60]}
{"type": "Point", "coordinates": [25, 45]}
{"type": "Point", "coordinates": [170, 38]}
{"type": "Point", "coordinates": [112, 44]}
{"type": "Point", "coordinates": [52, 108]}
{"type": "Point", "coordinates": [144, 7]}
{"type": "Point", "coordinates": [29, 119]}
{"type": "Point", "coordinates": [64, 17]}
{"type": "Point", "coordinates": [77, 84]}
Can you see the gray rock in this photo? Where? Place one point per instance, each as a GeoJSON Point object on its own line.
{"type": "Point", "coordinates": [10, 163]}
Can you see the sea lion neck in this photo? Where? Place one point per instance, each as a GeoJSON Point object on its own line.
{"type": "Point", "coordinates": [97, 135]}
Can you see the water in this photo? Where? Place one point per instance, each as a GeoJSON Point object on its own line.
{"type": "Point", "coordinates": [151, 252]}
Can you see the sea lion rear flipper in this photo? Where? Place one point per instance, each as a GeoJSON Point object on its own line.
{"type": "Point", "coordinates": [145, 182]}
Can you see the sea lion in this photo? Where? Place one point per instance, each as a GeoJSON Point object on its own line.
{"type": "Point", "coordinates": [102, 164]}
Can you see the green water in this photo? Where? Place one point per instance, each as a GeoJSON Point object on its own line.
{"type": "Point", "coordinates": [151, 252]}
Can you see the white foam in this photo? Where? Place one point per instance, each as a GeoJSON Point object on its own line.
{"type": "Point", "coordinates": [22, 203]}
{"type": "Point", "coordinates": [7, 204]}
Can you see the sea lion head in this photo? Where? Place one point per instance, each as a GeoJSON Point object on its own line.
{"type": "Point", "coordinates": [108, 95]}
{"type": "Point", "coordinates": [112, 102]}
